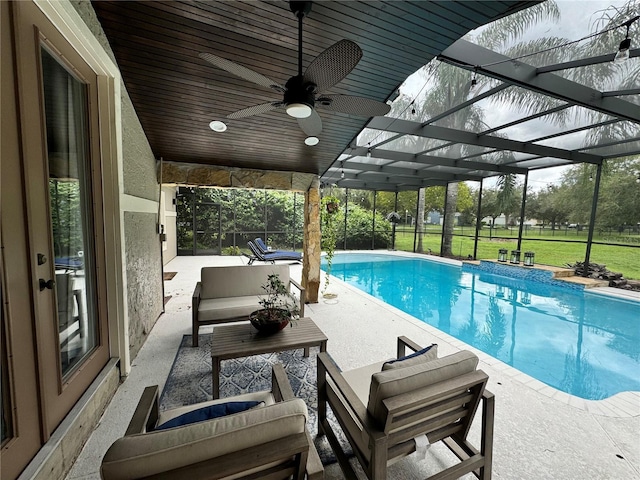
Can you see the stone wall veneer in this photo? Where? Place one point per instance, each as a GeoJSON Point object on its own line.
{"type": "Point", "coordinates": [311, 246]}
{"type": "Point", "coordinates": [191, 174]}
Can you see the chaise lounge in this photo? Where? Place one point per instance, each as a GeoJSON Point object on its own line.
{"type": "Point", "coordinates": [271, 257]}
{"type": "Point", "coordinates": [264, 249]}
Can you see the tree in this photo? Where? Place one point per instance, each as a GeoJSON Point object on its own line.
{"type": "Point", "coordinates": [506, 198]}
{"type": "Point", "coordinates": [490, 205]}
{"type": "Point", "coordinates": [619, 201]}
{"type": "Point", "coordinates": [449, 86]}
{"type": "Point", "coordinates": [547, 205]}
{"type": "Point", "coordinates": [420, 221]}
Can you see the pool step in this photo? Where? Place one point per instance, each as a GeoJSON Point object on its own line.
{"type": "Point", "coordinates": [559, 273]}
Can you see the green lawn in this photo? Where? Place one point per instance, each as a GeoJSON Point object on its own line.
{"type": "Point", "coordinates": [622, 259]}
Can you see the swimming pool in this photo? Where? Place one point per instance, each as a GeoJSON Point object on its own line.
{"type": "Point", "coordinates": [579, 342]}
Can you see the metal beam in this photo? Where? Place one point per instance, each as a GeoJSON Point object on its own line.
{"type": "Point", "coordinates": [385, 187]}
{"type": "Point", "coordinates": [369, 177]}
{"type": "Point", "coordinates": [437, 161]}
{"type": "Point", "coordinates": [620, 93]}
{"type": "Point", "coordinates": [409, 172]}
{"type": "Point", "coordinates": [470, 138]}
{"type": "Point", "coordinates": [471, 101]}
{"type": "Point", "coordinates": [466, 54]}
{"type": "Point", "coordinates": [585, 62]}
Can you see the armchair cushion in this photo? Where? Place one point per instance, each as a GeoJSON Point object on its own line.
{"type": "Point", "coordinates": [262, 397]}
{"type": "Point", "coordinates": [145, 454]}
{"type": "Point", "coordinates": [207, 413]}
{"type": "Point", "coordinates": [390, 383]}
{"type": "Point", "coordinates": [421, 356]}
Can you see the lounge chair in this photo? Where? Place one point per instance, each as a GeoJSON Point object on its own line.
{"type": "Point", "coordinates": [264, 249]}
{"type": "Point", "coordinates": [389, 412]}
{"type": "Point", "coordinates": [269, 440]}
{"type": "Point", "coordinates": [69, 264]}
{"type": "Point", "coordinates": [271, 257]}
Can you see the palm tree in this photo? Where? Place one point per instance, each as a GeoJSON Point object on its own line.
{"type": "Point", "coordinates": [448, 86]}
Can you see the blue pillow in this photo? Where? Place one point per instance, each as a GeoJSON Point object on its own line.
{"type": "Point", "coordinates": [207, 413]}
{"type": "Point", "coordinates": [425, 355]}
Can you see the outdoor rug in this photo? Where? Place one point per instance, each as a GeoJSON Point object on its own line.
{"type": "Point", "coordinates": [189, 382]}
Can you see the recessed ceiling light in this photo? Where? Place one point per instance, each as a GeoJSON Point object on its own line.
{"type": "Point", "coordinates": [311, 141]}
{"type": "Point", "coordinates": [218, 126]}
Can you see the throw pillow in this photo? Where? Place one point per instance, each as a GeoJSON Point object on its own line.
{"type": "Point", "coordinates": [421, 356]}
{"type": "Point", "coordinates": [207, 413]}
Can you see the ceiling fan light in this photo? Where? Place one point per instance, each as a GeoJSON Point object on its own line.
{"type": "Point", "coordinates": [218, 126]}
{"type": "Point", "coordinates": [299, 110]}
{"type": "Point", "coordinates": [311, 141]}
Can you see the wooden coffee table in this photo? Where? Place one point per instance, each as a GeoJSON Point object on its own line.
{"type": "Point", "coordinates": [242, 340]}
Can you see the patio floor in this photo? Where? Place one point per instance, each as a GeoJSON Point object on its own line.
{"type": "Point", "coordinates": [540, 433]}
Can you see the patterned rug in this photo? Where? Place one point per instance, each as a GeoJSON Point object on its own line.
{"type": "Point", "coordinates": [189, 382]}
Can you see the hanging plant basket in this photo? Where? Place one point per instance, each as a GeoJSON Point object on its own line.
{"type": "Point", "coordinates": [332, 207]}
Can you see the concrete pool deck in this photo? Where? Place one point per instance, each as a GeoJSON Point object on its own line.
{"type": "Point", "coordinates": [540, 433]}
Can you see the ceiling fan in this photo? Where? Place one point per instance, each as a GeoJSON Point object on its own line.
{"type": "Point", "coordinates": [303, 93]}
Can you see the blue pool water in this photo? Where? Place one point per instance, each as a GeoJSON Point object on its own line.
{"type": "Point", "coordinates": [582, 343]}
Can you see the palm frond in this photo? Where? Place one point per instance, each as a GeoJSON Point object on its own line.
{"type": "Point", "coordinates": [501, 33]}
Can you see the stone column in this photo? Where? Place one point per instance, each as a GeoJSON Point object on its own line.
{"type": "Point", "coordinates": [311, 244]}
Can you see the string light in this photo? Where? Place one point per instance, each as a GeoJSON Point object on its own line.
{"type": "Point", "coordinates": [625, 45]}
{"type": "Point", "coordinates": [474, 79]}
{"type": "Point", "coordinates": [369, 150]}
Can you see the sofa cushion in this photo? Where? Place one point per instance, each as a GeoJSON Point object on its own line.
{"type": "Point", "coordinates": [140, 455]}
{"type": "Point", "coordinates": [397, 381]}
{"type": "Point", "coordinates": [230, 307]}
{"type": "Point", "coordinates": [238, 280]}
{"type": "Point", "coordinates": [421, 356]}
{"type": "Point", "coordinates": [207, 413]}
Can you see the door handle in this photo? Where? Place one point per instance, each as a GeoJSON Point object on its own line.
{"type": "Point", "coordinates": [46, 284]}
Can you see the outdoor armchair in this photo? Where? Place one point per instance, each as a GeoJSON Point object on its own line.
{"type": "Point", "coordinates": [266, 441]}
{"type": "Point", "coordinates": [389, 414]}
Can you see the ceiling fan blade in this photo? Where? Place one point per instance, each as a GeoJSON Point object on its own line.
{"type": "Point", "coordinates": [255, 110]}
{"type": "Point", "coordinates": [333, 65]}
{"type": "Point", "coordinates": [240, 71]}
{"type": "Point", "coordinates": [364, 107]}
{"type": "Point", "coordinates": [312, 125]}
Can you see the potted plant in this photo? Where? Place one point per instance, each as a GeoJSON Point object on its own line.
{"type": "Point", "coordinates": [279, 307]}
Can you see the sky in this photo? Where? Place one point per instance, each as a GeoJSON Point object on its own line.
{"type": "Point", "coordinates": [576, 21]}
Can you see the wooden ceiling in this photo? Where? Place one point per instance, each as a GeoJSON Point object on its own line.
{"type": "Point", "coordinates": [176, 93]}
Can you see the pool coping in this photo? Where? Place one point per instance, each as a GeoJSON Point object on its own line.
{"type": "Point", "coordinates": [621, 405]}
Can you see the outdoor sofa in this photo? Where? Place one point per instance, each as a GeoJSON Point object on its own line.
{"type": "Point", "coordinates": [231, 293]}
